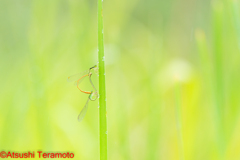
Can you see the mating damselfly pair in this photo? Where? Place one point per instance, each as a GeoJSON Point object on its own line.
{"type": "Point", "coordinates": [93, 95]}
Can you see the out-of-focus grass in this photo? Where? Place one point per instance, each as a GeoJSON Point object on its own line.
{"type": "Point", "coordinates": [218, 76]}
{"type": "Point", "coordinates": [147, 44]}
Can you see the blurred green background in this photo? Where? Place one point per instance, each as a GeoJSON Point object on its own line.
{"type": "Point", "coordinates": [172, 77]}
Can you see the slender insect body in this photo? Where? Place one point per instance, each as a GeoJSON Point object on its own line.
{"type": "Point", "coordinates": [93, 95]}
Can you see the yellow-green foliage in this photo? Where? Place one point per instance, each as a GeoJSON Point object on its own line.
{"type": "Point", "coordinates": [172, 78]}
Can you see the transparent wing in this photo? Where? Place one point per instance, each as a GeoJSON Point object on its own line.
{"type": "Point", "coordinates": [77, 82]}
{"type": "Point", "coordinates": [75, 77]}
{"type": "Point", "coordinates": [83, 112]}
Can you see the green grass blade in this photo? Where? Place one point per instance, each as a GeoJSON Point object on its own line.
{"type": "Point", "coordinates": [102, 89]}
{"type": "Point", "coordinates": [218, 74]}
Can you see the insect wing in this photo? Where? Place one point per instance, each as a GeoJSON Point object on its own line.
{"type": "Point", "coordinates": [75, 78]}
{"type": "Point", "coordinates": [77, 82]}
{"type": "Point", "coordinates": [83, 112]}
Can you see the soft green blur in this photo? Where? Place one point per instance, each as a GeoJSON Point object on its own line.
{"type": "Point", "coordinates": [172, 78]}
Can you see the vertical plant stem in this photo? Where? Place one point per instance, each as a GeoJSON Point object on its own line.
{"type": "Point", "coordinates": [218, 69]}
{"type": "Point", "coordinates": [102, 89]}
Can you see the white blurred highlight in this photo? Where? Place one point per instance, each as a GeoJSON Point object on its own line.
{"type": "Point", "coordinates": [177, 70]}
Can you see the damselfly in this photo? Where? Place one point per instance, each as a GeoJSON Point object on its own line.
{"type": "Point", "coordinates": [93, 95]}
